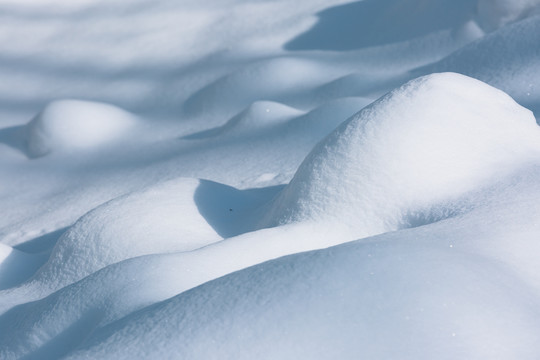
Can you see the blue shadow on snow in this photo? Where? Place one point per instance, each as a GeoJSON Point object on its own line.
{"type": "Point", "coordinates": [369, 23]}
{"type": "Point", "coordinates": [230, 211]}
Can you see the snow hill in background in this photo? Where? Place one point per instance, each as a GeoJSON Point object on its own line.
{"type": "Point", "coordinates": [268, 180]}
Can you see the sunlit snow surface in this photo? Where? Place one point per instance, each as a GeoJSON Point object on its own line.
{"type": "Point", "coordinates": [237, 179]}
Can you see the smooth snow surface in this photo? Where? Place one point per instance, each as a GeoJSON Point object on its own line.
{"type": "Point", "coordinates": [229, 179]}
{"type": "Point", "coordinates": [70, 125]}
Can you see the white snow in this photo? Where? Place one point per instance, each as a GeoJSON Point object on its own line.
{"type": "Point", "coordinates": [269, 180]}
{"type": "Point", "coordinates": [73, 124]}
{"type": "Point", "coordinates": [424, 144]}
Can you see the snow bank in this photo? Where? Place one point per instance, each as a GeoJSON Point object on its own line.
{"type": "Point", "coordinates": [398, 161]}
{"type": "Point", "coordinates": [74, 124]}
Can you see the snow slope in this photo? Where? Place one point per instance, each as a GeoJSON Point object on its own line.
{"type": "Point", "coordinates": [269, 180]}
{"type": "Point", "coordinates": [513, 69]}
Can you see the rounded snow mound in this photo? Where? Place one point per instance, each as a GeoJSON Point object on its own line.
{"type": "Point", "coordinates": [259, 116]}
{"type": "Point", "coordinates": [160, 219]}
{"type": "Point", "coordinates": [177, 215]}
{"type": "Point", "coordinates": [75, 124]}
{"type": "Point", "coordinates": [400, 161]}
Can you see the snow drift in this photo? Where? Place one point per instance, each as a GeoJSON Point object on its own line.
{"type": "Point", "coordinates": [409, 230]}
{"type": "Point", "coordinates": [330, 304]}
{"type": "Point", "coordinates": [400, 160]}
{"type": "Point", "coordinates": [74, 124]}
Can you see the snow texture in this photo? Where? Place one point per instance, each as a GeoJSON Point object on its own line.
{"type": "Point", "coordinates": [229, 179]}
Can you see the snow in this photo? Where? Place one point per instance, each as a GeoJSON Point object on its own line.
{"type": "Point", "coordinates": [406, 155]}
{"type": "Point", "coordinates": [494, 14]}
{"type": "Point", "coordinates": [330, 304]}
{"type": "Point", "coordinates": [69, 125]}
{"type": "Point", "coordinates": [515, 70]}
{"type": "Point", "coordinates": [269, 180]}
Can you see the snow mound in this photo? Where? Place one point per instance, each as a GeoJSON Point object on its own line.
{"type": "Point", "coordinates": [493, 14]}
{"type": "Point", "coordinates": [258, 116]}
{"type": "Point", "coordinates": [174, 216]}
{"type": "Point", "coordinates": [398, 162]}
{"type": "Point", "coordinates": [160, 219]}
{"type": "Point", "coordinates": [75, 124]}
{"type": "Point", "coordinates": [276, 120]}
